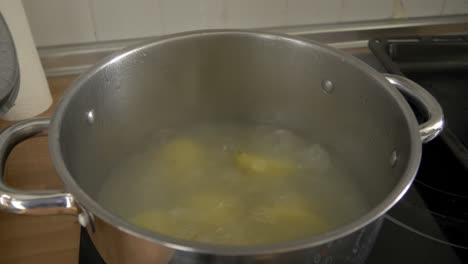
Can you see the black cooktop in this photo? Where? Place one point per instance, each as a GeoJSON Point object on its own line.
{"type": "Point", "coordinates": [430, 223]}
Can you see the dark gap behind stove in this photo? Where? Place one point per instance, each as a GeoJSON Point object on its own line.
{"type": "Point", "coordinates": [88, 252]}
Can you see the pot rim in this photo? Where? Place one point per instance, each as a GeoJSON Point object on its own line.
{"type": "Point", "coordinates": [95, 209]}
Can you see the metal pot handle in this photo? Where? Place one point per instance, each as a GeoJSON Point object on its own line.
{"type": "Point", "coordinates": [423, 100]}
{"type": "Point", "coordinates": [29, 202]}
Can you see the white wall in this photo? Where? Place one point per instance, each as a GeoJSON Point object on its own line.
{"type": "Point", "coordinates": [56, 22]}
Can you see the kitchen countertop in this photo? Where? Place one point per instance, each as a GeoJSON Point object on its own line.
{"type": "Point", "coordinates": [37, 239]}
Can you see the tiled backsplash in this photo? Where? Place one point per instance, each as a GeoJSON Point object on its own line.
{"type": "Point", "coordinates": [56, 22]}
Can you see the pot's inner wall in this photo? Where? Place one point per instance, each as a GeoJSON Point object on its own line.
{"type": "Point", "coordinates": [235, 77]}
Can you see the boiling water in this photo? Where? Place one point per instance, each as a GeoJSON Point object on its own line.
{"type": "Point", "coordinates": [234, 185]}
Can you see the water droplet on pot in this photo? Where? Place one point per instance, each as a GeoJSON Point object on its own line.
{"type": "Point", "coordinates": [90, 117]}
{"type": "Point", "coordinates": [394, 159]}
{"type": "Point", "coordinates": [327, 86]}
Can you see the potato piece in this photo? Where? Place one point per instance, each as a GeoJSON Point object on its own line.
{"type": "Point", "coordinates": [293, 215]}
{"type": "Point", "coordinates": [279, 224]}
{"type": "Point", "coordinates": [155, 220]}
{"type": "Point", "coordinates": [213, 200]}
{"type": "Point", "coordinates": [257, 165]}
{"type": "Point", "coordinates": [183, 156]}
{"type": "Point", "coordinates": [215, 209]}
{"type": "Point", "coordinates": [165, 223]}
{"type": "Point", "coordinates": [296, 200]}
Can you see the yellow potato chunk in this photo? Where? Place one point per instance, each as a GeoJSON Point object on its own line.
{"type": "Point", "coordinates": [213, 200]}
{"type": "Point", "coordinates": [294, 217]}
{"type": "Point", "coordinates": [155, 220]}
{"type": "Point", "coordinates": [183, 155]}
{"type": "Point", "coordinates": [215, 208]}
{"type": "Point", "coordinates": [280, 223]}
{"type": "Point", "coordinates": [221, 215]}
{"type": "Point", "coordinates": [257, 165]}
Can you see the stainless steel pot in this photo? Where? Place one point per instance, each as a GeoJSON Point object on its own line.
{"type": "Point", "coordinates": [228, 75]}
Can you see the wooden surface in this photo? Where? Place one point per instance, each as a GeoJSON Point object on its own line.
{"type": "Point", "coordinates": [37, 239]}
